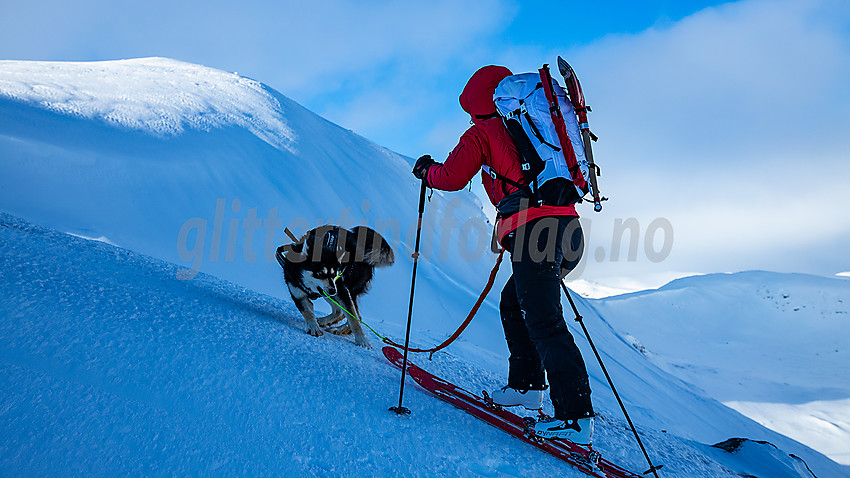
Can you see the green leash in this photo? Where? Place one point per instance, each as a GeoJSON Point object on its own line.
{"type": "Point", "coordinates": [353, 316]}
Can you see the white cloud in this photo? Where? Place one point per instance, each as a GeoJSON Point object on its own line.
{"type": "Point", "coordinates": [302, 48]}
{"type": "Point", "coordinates": [745, 76]}
{"type": "Point", "coordinates": [732, 124]}
{"type": "Point", "coordinates": [377, 67]}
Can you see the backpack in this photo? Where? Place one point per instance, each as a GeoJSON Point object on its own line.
{"type": "Point", "coordinates": [545, 129]}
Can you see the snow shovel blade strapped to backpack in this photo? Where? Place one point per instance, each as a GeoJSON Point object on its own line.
{"type": "Point", "coordinates": [581, 110]}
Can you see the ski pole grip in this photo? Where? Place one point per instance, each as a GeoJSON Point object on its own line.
{"type": "Point", "coordinates": [422, 197]}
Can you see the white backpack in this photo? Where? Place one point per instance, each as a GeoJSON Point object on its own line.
{"type": "Point", "coordinates": [555, 167]}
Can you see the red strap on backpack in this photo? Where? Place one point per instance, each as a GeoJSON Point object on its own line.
{"type": "Point", "coordinates": [561, 128]}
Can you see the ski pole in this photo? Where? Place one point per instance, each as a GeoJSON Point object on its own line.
{"type": "Point", "coordinates": [400, 410]}
{"type": "Point", "coordinates": [652, 469]}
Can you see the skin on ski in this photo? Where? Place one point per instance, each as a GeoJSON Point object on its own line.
{"type": "Point", "coordinates": [575, 455]}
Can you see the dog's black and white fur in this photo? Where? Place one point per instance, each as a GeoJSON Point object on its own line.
{"type": "Point", "coordinates": [337, 262]}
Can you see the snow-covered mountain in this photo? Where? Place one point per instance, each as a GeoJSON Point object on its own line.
{"type": "Point", "coordinates": [116, 362]}
{"type": "Point", "coordinates": [772, 346]}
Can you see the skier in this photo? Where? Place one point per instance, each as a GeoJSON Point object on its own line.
{"type": "Point", "coordinates": [545, 243]}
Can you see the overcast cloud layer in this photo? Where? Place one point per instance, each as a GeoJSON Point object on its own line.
{"type": "Point", "coordinates": [730, 123]}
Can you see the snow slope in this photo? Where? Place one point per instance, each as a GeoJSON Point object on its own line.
{"type": "Point", "coordinates": [99, 340]}
{"type": "Point", "coordinates": [138, 151]}
{"type": "Point", "coordinates": [110, 365]}
{"type": "Point", "coordinates": [772, 346]}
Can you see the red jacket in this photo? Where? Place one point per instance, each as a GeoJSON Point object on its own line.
{"type": "Point", "coordinates": [487, 142]}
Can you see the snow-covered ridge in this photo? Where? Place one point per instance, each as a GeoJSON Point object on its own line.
{"type": "Point", "coordinates": [160, 96]}
{"type": "Point", "coordinates": [133, 149]}
{"type": "Point", "coordinates": [87, 175]}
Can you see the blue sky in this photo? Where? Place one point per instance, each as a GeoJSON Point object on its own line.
{"type": "Point", "coordinates": [727, 119]}
{"type": "Point", "coordinates": [335, 57]}
{"type": "Point", "coordinates": [584, 22]}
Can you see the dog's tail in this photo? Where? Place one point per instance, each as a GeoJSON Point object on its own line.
{"type": "Point", "coordinates": [372, 247]}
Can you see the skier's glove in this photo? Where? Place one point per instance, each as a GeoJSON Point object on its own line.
{"type": "Point", "coordinates": [420, 169]}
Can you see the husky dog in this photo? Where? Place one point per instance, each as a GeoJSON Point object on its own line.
{"type": "Point", "coordinates": [330, 261]}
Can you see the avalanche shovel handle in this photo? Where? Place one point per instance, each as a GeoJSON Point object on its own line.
{"type": "Point", "coordinates": [588, 153]}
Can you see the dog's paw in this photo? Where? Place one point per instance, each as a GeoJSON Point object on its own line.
{"type": "Point", "coordinates": [314, 330]}
{"type": "Point", "coordinates": [362, 341]}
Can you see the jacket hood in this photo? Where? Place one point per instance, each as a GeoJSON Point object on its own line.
{"type": "Point", "coordinates": [477, 96]}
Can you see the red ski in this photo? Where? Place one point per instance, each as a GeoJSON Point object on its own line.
{"type": "Point", "coordinates": [583, 459]}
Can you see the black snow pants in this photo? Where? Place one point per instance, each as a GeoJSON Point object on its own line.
{"type": "Point", "coordinates": [532, 317]}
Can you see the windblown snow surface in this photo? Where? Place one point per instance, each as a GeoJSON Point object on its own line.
{"type": "Point", "coordinates": [169, 346]}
